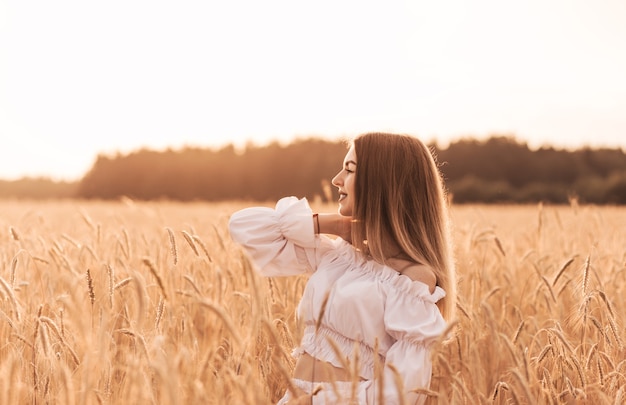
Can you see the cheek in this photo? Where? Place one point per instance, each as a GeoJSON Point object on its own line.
{"type": "Point", "coordinates": [350, 185]}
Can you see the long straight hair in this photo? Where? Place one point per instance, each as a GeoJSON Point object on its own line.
{"type": "Point", "coordinates": [400, 198]}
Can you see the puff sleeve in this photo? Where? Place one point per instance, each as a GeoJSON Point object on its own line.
{"type": "Point", "coordinates": [413, 319]}
{"type": "Point", "coordinates": [280, 241]}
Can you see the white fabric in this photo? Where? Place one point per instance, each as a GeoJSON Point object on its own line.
{"type": "Point", "coordinates": [367, 301]}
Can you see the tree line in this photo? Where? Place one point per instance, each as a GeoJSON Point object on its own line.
{"type": "Point", "coordinates": [495, 170]}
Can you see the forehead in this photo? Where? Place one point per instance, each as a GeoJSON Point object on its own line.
{"type": "Point", "coordinates": [351, 155]}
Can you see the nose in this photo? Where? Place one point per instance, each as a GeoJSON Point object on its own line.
{"type": "Point", "coordinates": [337, 180]}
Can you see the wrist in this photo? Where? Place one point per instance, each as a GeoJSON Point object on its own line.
{"type": "Point", "coordinates": [333, 224]}
{"type": "Point", "coordinates": [316, 223]}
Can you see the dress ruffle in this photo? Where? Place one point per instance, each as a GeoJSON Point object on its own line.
{"type": "Point", "coordinates": [316, 344]}
{"type": "Point", "coordinates": [346, 256]}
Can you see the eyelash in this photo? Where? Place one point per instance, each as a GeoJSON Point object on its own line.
{"type": "Point", "coordinates": [348, 170]}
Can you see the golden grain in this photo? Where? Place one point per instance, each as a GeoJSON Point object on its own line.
{"type": "Point", "coordinates": [547, 284]}
{"type": "Point", "coordinates": [463, 311]}
{"type": "Point", "coordinates": [579, 369]}
{"type": "Point", "coordinates": [616, 335]}
{"type": "Point", "coordinates": [127, 242]}
{"type": "Point", "coordinates": [500, 385]}
{"type": "Point", "coordinates": [92, 295]}
{"type": "Point", "coordinates": [173, 249]}
{"type": "Point", "coordinates": [518, 338]}
{"type": "Point", "coordinates": [524, 384]}
{"type": "Point", "coordinates": [122, 283]}
{"type": "Point", "coordinates": [517, 332]}
{"type": "Point", "coordinates": [70, 240]}
{"type": "Point", "coordinates": [43, 337]}
{"type": "Point", "coordinates": [226, 320]}
{"type": "Point", "coordinates": [53, 326]}
{"type": "Point", "coordinates": [159, 313]}
{"type": "Point", "coordinates": [203, 246]}
{"type": "Point", "coordinates": [156, 275]}
{"type": "Point", "coordinates": [499, 245]}
{"type": "Point", "coordinates": [190, 242]}
{"type": "Point", "coordinates": [586, 274]}
{"type": "Point", "coordinates": [544, 353]}
{"type": "Point", "coordinates": [11, 295]}
{"type": "Point", "coordinates": [563, 268]}
{"type": "Point", "coordinates": [13, 269]}
{"type": "Point", "coordinates": [192, 283]}
{"type": "Point", "coordinates": [40, 259]}
{"type": "Point", "coordinates": [14, 234]}
{"type": "Point", "coordinates": [278, 344]}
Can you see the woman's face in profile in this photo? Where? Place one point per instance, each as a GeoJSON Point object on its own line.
{"type": "Point", "coordinates": [344, 181]}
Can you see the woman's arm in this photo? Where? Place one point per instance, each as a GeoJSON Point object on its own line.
{"type": "Point", "coordinates": [280, 241]}
{"type": "Point", "coordinates": [333, 224]}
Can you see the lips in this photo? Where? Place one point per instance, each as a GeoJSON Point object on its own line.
{"type": "Point", "coordinates": [342, 196]}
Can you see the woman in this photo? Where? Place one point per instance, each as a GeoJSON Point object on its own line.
{"type": "Point", "coordinates": [381, 286]}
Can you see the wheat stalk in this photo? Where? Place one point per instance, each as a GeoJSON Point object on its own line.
{"type": "Point", "coordinates": [9, 293]}
{"type": "Point", "coordinates": [203, 246]}
{"type": "Point", "coordinates": [563, 268]}
{"type": "Point", "coordinates": [499, 245]}
{"type": "Point", "coordinates": [13, 269]}
{"type": "Point", "coordinates": [53, 326]}
{"type": "Point", "coordinates": [92, 295]}
{"type": "Point", "coordinates": [517, 332]}
{"type": "Point", "coordinates": [173, 249]}
{"type": "Point", "coordinates": [226, 320]}
{"type": "Point", "coordinates": [191, 243]}
{"type": "Point", "coordinates": [14, 234]}
{"type": "Point", "coordinates": [586, 274]}
{"type": "Point", "coordinates": [159, 313]}
{"type": "Point", "coordinates": [71, 240]}
{"type": "Point", "coordinates": [154, 272]}
{"type": "Point", "coordinates": [122, 283]}
{"type": "Point", "coordinates": [192, 283]}
{"type": "Point", "coordinates": [544, 353]}
{"type": "Point", "coordinates": [111, 276]}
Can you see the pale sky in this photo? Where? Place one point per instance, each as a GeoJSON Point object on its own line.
{"type": "Point", "coordinates": [83, 77]}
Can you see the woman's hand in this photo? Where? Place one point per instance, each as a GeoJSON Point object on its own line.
{"type": "Point", "coordinates": [335, 224]}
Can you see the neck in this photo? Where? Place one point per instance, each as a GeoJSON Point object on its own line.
{"type": "Point", "coordinates": [391, 250]}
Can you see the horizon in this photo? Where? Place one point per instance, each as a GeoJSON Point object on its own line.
{"type": "Point", "coordinates": [79, 80]}
{"type": "Point", "coordinates": [243, 146]}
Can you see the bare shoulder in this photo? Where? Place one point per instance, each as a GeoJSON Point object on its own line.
{"type": "Point", "coordinates": [416, 272]}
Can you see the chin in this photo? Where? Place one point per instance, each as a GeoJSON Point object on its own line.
{"type": "Point", "coordinates": [345, 211]}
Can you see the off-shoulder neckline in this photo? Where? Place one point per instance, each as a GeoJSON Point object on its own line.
{"type": "Point", "coordinates": [406, 283]}
{"type": "Point", "coordinates": [410, 280]}
{"type": "Point", "coordinates": [407, 265]}
{"type": "Point", "coordinates": [399, 281]}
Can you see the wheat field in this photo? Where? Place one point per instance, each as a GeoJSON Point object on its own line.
{"type": "Point", "coordinates": [152, 303]}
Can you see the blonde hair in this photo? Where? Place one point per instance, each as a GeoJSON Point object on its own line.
{"type": "Point", "coordinates": [400, 197]}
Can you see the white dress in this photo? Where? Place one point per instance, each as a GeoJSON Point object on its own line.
{"type": "Point", "coordinates": [367, 301]}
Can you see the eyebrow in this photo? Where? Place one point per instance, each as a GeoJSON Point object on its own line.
{"type": "Point", "coordinates": [350, 161]}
